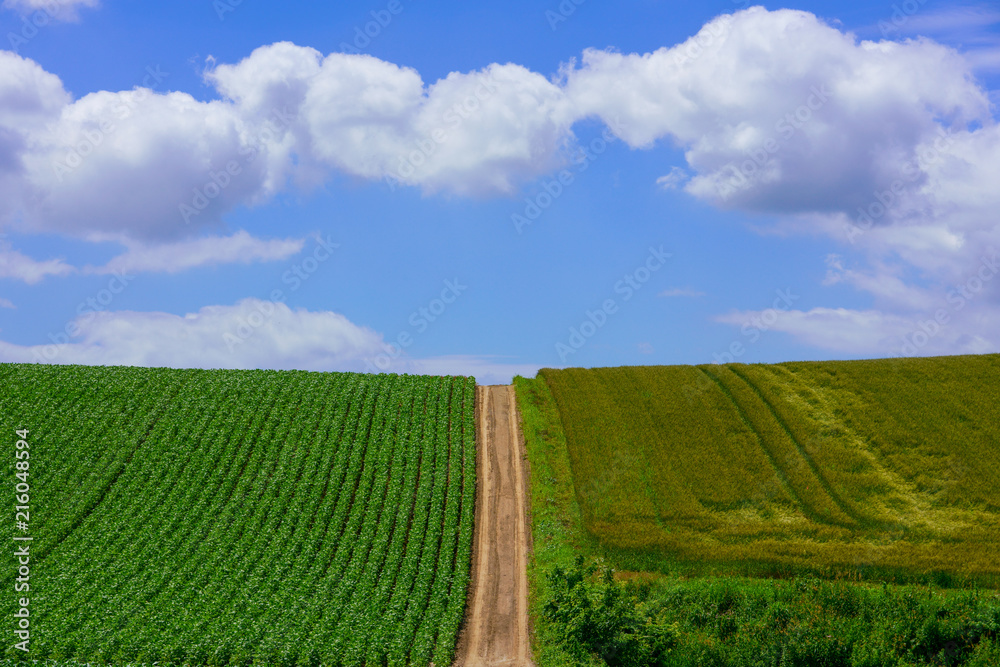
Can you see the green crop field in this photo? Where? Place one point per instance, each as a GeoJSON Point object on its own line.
{"type": "Point", "coordinates": [230, 517]}
{"type": "Point", "coordinates": [767, 506]}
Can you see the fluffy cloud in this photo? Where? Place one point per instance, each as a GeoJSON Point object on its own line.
{"type": "Point", "coordinates": [148, 166]}
{"type": "Point", "coordinates": [959, 316]}
{"type": "Point", "coordinates": [476, 133]}
{"type": "Point", "coordinates": [58, 10]}
{"type": "Point", "coordinates": [239, 248]}
{"type": "Point", "coordinates": [208, 251]}
{"type": "Point", "coordinates": [487, 132]}
{"type": "Point", "coordinates": [888, 147]}
{"type": "Point", "coordinates": [671, 180]}
{"type": "Point", "coordinates": [141, 165]}
{"type": "Point", "coordinates": [928, 262]}
{"type": "Point", "coordinates": [779, 112]}
{"type": "Point", "coordinates": [17, 266]}
{"type": "Point", "coordinates": [30, 97]}
{"type": "Point", "coordinates": [942, 330]}
{"type": "Point", "coordinates": [837, 329]}
{"type": "Point", "coordinates": [272, 77]}
{"type": "Point", "coordinates": [971, 26]}
{"type": "Point", "coordinates": [249, 334]}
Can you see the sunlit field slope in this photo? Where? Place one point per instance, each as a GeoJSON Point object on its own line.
{"type": "Point", "coordinates": [885, 467]}
{"type": "Point", "coordinates": [230, 517]}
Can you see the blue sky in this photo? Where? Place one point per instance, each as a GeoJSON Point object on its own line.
{"type": "Point", "coordinates": [490, 190]}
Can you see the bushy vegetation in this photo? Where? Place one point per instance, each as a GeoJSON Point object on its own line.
{"type": "Point", "coordinates": [606, 620]}
{"type": "Point", "coordinates": [238, 517]}
{"type": "Point", "coordinates": [802, 622]}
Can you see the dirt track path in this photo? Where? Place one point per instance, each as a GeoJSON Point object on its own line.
{"type": "Point", "coordinates": [496, 621]}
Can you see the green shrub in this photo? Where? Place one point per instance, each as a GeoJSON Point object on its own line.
{"type": "Point", "coordinates": [600, 617]}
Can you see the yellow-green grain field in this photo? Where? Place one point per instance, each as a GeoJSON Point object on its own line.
{"type": "Point", "coordinates": [843, 468]}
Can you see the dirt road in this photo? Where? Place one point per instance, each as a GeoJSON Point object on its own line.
{"type": "Point", "coordinates": [496, 622]}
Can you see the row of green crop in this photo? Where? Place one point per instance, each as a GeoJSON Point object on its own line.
{"type": "Point", "coordinates": [107, 540]}
{"type": "Point", "coordinates": [227, 517]}
{"type": "Point", "coordinates": [69, 480]}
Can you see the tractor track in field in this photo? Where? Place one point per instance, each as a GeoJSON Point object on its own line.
{"type": "Point", "coordinates": [495, 631]}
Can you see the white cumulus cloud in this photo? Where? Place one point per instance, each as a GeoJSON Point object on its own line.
{"type": "Point", "coordinates": [152, 166]}
{"type": "Point", "coordinates": [776, 111]}
{"type": "Point", "coordinates": [780, 112]}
